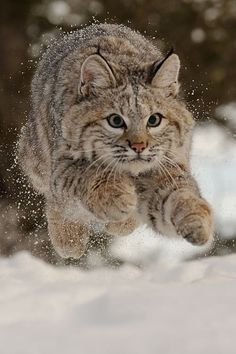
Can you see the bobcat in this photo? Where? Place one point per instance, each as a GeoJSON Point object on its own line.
{"type": "Point", "coordinates": [108, 140]}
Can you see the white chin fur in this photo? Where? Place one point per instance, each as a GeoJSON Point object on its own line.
{"type": "Point", "coordinates": [137, 167]}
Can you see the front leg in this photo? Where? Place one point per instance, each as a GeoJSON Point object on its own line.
{"type": "Point", "coordinates": [173, 206]}
{"type": "Point", "coordinates": [123, 228]}
{"type": "Point", "coordinates": [190, 215]}
{"type": "Point", "coordinates": [111, 200]}
{"type": "Point", "coordinates": [108, 197]}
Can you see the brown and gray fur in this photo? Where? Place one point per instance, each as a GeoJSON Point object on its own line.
{"type": "Point", "coordinates": [93, 176]}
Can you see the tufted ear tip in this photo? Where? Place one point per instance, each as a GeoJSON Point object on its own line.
{"type": "Point", "coordinates": [166, 74]}
{"type": "Point", "coordinates": [95, 74]}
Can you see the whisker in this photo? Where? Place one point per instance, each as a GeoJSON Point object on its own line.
{"type": "Point", "coordinates": [96, 160]}
{"type": "Point", "coordinates": [172, 163]}
{"type": "Point", "coordinates": [109, 175]}
{"type": "Point", "coordinates": [171, 179]}
{"type": "Point", "coordinates": [160, 148]}
{"type": "Point", "coordinates": [116, 169]}
{"type": "Point", "coordinates": [162, 170]}
{"type": "Point", "coordinates": [101, 164]}
{"type": "Point", "coordinates": [107, 167]}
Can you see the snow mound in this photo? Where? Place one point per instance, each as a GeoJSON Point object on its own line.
{"type": "Point", "coordinates": [183, 308]}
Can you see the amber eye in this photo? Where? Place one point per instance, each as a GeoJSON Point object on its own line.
{"type": "Point", "coordinates": [116, 121]}
{"type": "Point", "coordinates": [154, 120]}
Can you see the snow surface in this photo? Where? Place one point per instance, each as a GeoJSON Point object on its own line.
{"type": "Point", "coordinates": [186, 308]}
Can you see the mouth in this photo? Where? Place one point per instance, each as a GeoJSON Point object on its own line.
{"type": "Point", "coordinates": [139, 158]}
{"type": "Point", "coordinates": [137, 164]}
{"type": "Point", "coordinates": [135, 160]}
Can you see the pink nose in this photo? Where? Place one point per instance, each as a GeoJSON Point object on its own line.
{"type": "Point", "coordinates": [138, 147]}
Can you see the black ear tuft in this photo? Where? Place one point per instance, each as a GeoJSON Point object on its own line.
{"type": "Point", "coordinates": [157, 64]}
{"type": "Point", "coordinates": [164, 74]}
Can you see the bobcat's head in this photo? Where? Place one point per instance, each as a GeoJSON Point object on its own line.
{"type": "Point", "coordinates": [130, 118]}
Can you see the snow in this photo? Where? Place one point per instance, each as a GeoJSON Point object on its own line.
{"type": "Point", "coordinates": [214, 166]}
{"type": "Point", "coordinates": [182, 308]}
{"type": "Point", "coordinates": [227, 113]}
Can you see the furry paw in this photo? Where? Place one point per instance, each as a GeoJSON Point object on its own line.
{"type": "Point", "coordinates": [191, 217]}
{"type": "Point", "coordinates": [114, 202]}
{"type": "Point", "coordinates": [122, 228]}
{"type": "Point", "coordinates": [195, 229]}
{"type": "Point", "coordinates": [69, 238]}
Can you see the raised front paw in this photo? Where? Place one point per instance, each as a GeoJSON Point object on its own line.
{"type": "Point", "coordinates": [192, 218]}
{"type": "Point", "coordinates": [113, 202]}
{"type": "Point", "coordinates": [122, 228]}
{"type": "Point", "coordinates": [195, 229]}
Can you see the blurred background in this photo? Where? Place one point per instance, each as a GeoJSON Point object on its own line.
{"type": "Point", "coordinates": [203, 33]}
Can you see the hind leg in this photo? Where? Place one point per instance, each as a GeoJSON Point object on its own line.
{"type": "Point", "coordinates": [69, 238]}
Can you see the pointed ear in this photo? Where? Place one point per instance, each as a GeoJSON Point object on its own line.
{"type": "Point", "coordinates": [95, 74]}
{"type": "Point", "coordinates": [165, 74]}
